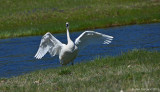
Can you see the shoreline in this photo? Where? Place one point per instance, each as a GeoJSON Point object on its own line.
{"type": "Point", "coordinates": [136, 66]}
{"type": "Point", "coordinates": [81, 29]}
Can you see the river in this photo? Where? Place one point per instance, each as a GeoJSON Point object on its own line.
{"type": "Point", "coordinates": [17, 54]}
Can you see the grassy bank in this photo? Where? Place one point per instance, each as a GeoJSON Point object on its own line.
{"type": "Point", "coordinates": [28, 17]}
{"type": "Point", "coordinates": [135, 70]}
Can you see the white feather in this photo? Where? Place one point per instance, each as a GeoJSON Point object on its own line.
{"type": "Point", "coordinates": [68, 52]}
{"type": "Point", "coordinates": [48, 44]}
{"type": "Point", "coordinates": [91, 37]}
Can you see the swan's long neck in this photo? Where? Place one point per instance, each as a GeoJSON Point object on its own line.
{"type": "Point", "coordinates": [68, 36]}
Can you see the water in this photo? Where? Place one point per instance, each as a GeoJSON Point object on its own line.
{"type": "Point", "coordinates": [17, 54]}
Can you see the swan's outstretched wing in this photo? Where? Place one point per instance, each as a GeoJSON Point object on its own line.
{"type": "Point", "coordinates": [91, 37]}
{"type": "Point", "coordinates": [48, 44]}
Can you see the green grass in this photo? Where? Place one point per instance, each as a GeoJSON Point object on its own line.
{"type": "Point", "coordinates": [134, 70]}
{"type": "Point", "coordinates": [28, 17]}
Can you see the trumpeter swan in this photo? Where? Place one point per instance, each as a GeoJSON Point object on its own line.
{"type": "Point", "coordinates": [68, 52]}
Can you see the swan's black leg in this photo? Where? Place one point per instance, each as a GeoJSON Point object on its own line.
{"type": "Point", "coordinates": [61, 63]}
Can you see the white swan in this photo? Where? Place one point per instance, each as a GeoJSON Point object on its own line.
{"type": "Point", "coordinates": [68, 52]}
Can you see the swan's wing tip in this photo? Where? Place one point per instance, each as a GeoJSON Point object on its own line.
{"type": "Point", "coordinates": [108, 36]}
{"type": "Point", "coordinates": [111, 37]}
{"type": "Point", "coordinates": [38, 57]}
{"type": "Point", "coordinates": [35, 56]}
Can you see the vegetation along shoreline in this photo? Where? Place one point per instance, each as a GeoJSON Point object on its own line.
{"type": "Point", "coordinates": [133, 70]}
{"type": "Point", "coordinates": [28, 18]}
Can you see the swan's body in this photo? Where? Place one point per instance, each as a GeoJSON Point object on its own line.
{"type": "Point", "coordinates": [68, 52]}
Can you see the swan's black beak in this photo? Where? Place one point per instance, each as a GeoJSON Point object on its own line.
{"type": "Point", "coordinates": [67, 24]}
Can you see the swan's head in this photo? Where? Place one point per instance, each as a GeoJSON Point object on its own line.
{"type": "Point", "coordinates": [67, 25]}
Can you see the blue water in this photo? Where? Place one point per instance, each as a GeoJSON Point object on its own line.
{"type": "Point", "coordinates": [17, 54]}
